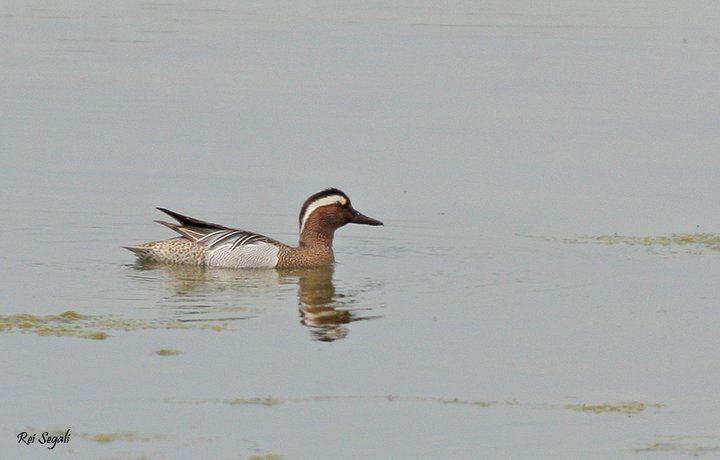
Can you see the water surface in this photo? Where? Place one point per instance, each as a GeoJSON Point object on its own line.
{"type": "Point", "coordinates": [545, 285]}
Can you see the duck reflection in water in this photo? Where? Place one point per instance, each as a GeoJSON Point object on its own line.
{"type": "Point", "coordinates": [204, 292]}
{"type": "Point", "coordinates": [322, 308]}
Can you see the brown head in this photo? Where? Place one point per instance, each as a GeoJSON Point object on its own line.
{"type": "Point", "coordinates": [325, 212]}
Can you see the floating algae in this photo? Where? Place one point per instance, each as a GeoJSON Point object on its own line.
{"type": "Point", "coordinates": [131, 436]}
{"type": "Point", "coordinates": [480, 403]}
{"type": "Point", "coordinates": [67, 323]}
{"type": "Point", "coordinates": [627, 408]}
{"type": "Point", "coordinates": [268, 401]}
{"type": "Point", "coordinates": [274, 401]}
{"type": "Point", "coordinates": [73, 324]}
{"type": "Point", "coordinates": [684, 445]}
{"type": "Point", "coordinates": [632, 407]}
{"type": "Point", "coordinates": [689, 241]}
{"type": "Point", "coordinates": [167, 352]}
{"type": "Point", "coordinates": [127, 436]}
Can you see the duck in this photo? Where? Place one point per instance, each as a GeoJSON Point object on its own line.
{"type": "Point", "coordinates": [213, 245]}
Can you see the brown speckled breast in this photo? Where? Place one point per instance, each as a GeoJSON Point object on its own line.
{"type": "Point", "coordinates": [305, 256]}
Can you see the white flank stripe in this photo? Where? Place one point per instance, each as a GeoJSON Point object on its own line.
{"type": "Point", "coordinates": [324, 201]}
{"type": "Point", "coordinates": [253, 256]}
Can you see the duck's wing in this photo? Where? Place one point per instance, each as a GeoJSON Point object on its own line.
{"type": "Point", "coordinates": [190, 227]}
{"type": "Point", "coordinates": [213, 236]}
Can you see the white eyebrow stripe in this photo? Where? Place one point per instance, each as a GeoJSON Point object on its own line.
{"type": "Point", "coordinates": [324, 201]}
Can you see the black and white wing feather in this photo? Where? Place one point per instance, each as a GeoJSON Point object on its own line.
{"type": "Point", "coordinates": [228, 247]}
{"type": "Point", "coordinates": [231, 239]}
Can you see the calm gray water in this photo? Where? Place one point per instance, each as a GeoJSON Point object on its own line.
{"type": "Point", "coordinates": [496, 141]}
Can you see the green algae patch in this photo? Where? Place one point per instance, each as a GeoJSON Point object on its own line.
{"type": "Point", "coordinates": [683, 445]}
{"type": "Point", "coordinates": [74, 324]}
{"type": "Point", "coordinates": [268, 401]}
{"type": "Point", "coordinates": [629, 408]}
{"type": "Point", "coordinates": [692, 242]}
{"type": "Point", "coordinates": [96, 336]}
{"type": "Point", "coordinates": [127, 436]}
{"type": "Point", "coordinates": [108, 437]}
{"type": "Point", "coordinates": [167, 352]}
{"type": "Point", "coordinates": [27, 321]}
{"type": "Point", "coordinates": [266, 457]}
{"type": "Point", "coordinates": [69, 323]}
{"type": "Point", "coordinates": [71, 316]}
{"type": "Point", "coordinates": [74, 332]}
{"type": "Point", "coordinates": [466, 402]}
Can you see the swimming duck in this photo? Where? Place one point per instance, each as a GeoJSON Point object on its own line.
{"type": "Point", "coordinates": [205, 243]}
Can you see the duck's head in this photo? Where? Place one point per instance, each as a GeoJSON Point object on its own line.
{"type": "Point", "coordinates": [329, 210]}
